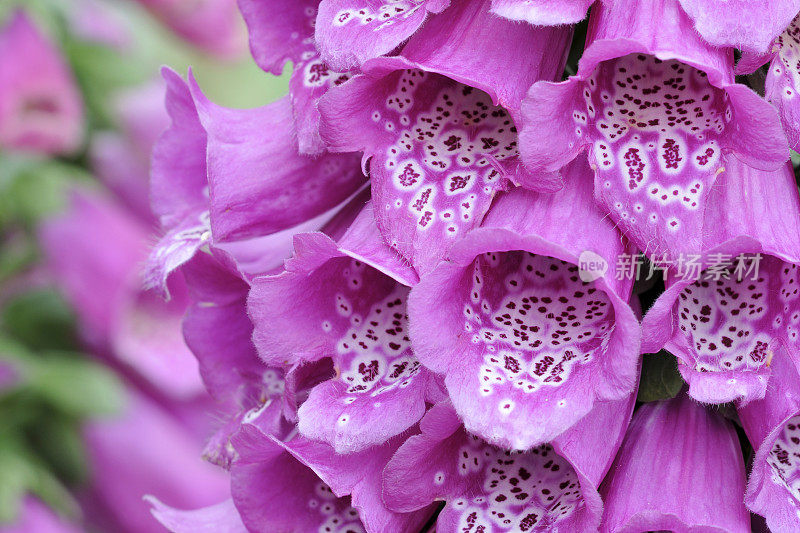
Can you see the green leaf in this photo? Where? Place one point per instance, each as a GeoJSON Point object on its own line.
{"type": "Point", "coordinates": [20, 474]}
{"type": "Point", "coordinates": [41, 320]}
{"type": "Point", "coordinates": [660, 378]}
{"type": "Point", "coordinates": [58, 441]}
{"type": "Point", "coordinates": [76, 386]}
{"type": "Point", "coordinates": [32, 188]}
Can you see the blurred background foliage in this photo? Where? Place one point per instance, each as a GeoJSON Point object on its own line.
{"type": "Point", "coordinates": [48, 387]}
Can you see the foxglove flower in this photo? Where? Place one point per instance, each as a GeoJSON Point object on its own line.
{"type": "Point", "coordinates": [679, 469]}
{"type": "Point", "coordinates": [40, 106]}
{"type": "Point", "coordinates": [723, 322]}
{"type": "Point", "coordinates": [772, 425]}
{"type": "Point", "coordinates": [302, 485]}
{"type": "Point", "coordinates": [95, 251]}
{"type": "Point", "coordinates": [518, 330]}
{"type": "Point", "coordinates": [551, 487]}
{"type": "Point", "coordinates": [782, 82]}
{"type": "Point", "coordinates": [211, 24]}
{"type": "Point", "coordinates": [655, 107]}
{"type": "Point", "coordinates": [235, 175]}
{"type": "Point", "coordinates": [437, 124]}
{"type": "Point", "coordinates": [346, 301]}
{"type": "Point", "coordinates": [283, 31]}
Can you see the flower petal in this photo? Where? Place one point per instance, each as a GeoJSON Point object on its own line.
{"type": "Point", "coordinates": [258, 182]}
{"type": "Point", "coordinates": [439, 143]}
{"type": "Point", "coordinates": [339, 301]}
{"type": "Point", "coordinates": [349, 32]}
{"type": "Point", "coordinates": [487, 487]}
{"type": "Point", "coordinates": [783, 80]}
{"type": "Point", "coordinates": [284, 31]}
{"type": "Point", "coordinates": [273, 491]}
{"type": "Point", "coordinates": [218, 518]}
{"type": "Point", "coordinates": [519, 332]}
{"type": "Point", "coordinates": [747, 24]}
{"type": "Point", "coordinates": [771, 425]}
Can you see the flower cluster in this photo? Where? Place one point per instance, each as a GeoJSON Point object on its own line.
{"type": "Point", "coordinates": [385, 266]}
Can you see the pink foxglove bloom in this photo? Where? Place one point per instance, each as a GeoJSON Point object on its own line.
{"type": "Point", "coordinates": [741, 304]}
{"type": "Point", "coordinates": [655, 107]}
{"type": "Point", "coordinates": [550, 487]}
{"type": "Point", "coordinates": [218, 331]}
{"type": "Point", "coordinates": [41, 110]}
{"type": "Point", "coordinates": [773, 428]}
{"type": "Point", "coordinates": [346, 300]}
{"type": "Point", "coordinates": [437, 123]}
{"type": "Point", "coordinates": [526, 321]}
{"type": "Point", "coordinates": [651, 487]}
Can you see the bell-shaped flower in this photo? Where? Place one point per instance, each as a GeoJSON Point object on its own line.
{"type": "Point", "coordinates": [218, 332]}
{"type": "Point", "coordinates": [655, 107]}
{"type": "Point", "coordinates": [680, 469]}
{"type": "Point", "coordinates": [437, 124]}
{"type": "Point", "coordinates": [772, 425]}
{"type": "Point", "coordinates": [345, 299]}
{"type": "Point", "coordinates": [727, 310]}
{"type": "Point", "coordinates": [527, 321]}
{"type": "Point", "coordinates": [551, 487]}
{"type": "Point", "coordinates": [41, 110]}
